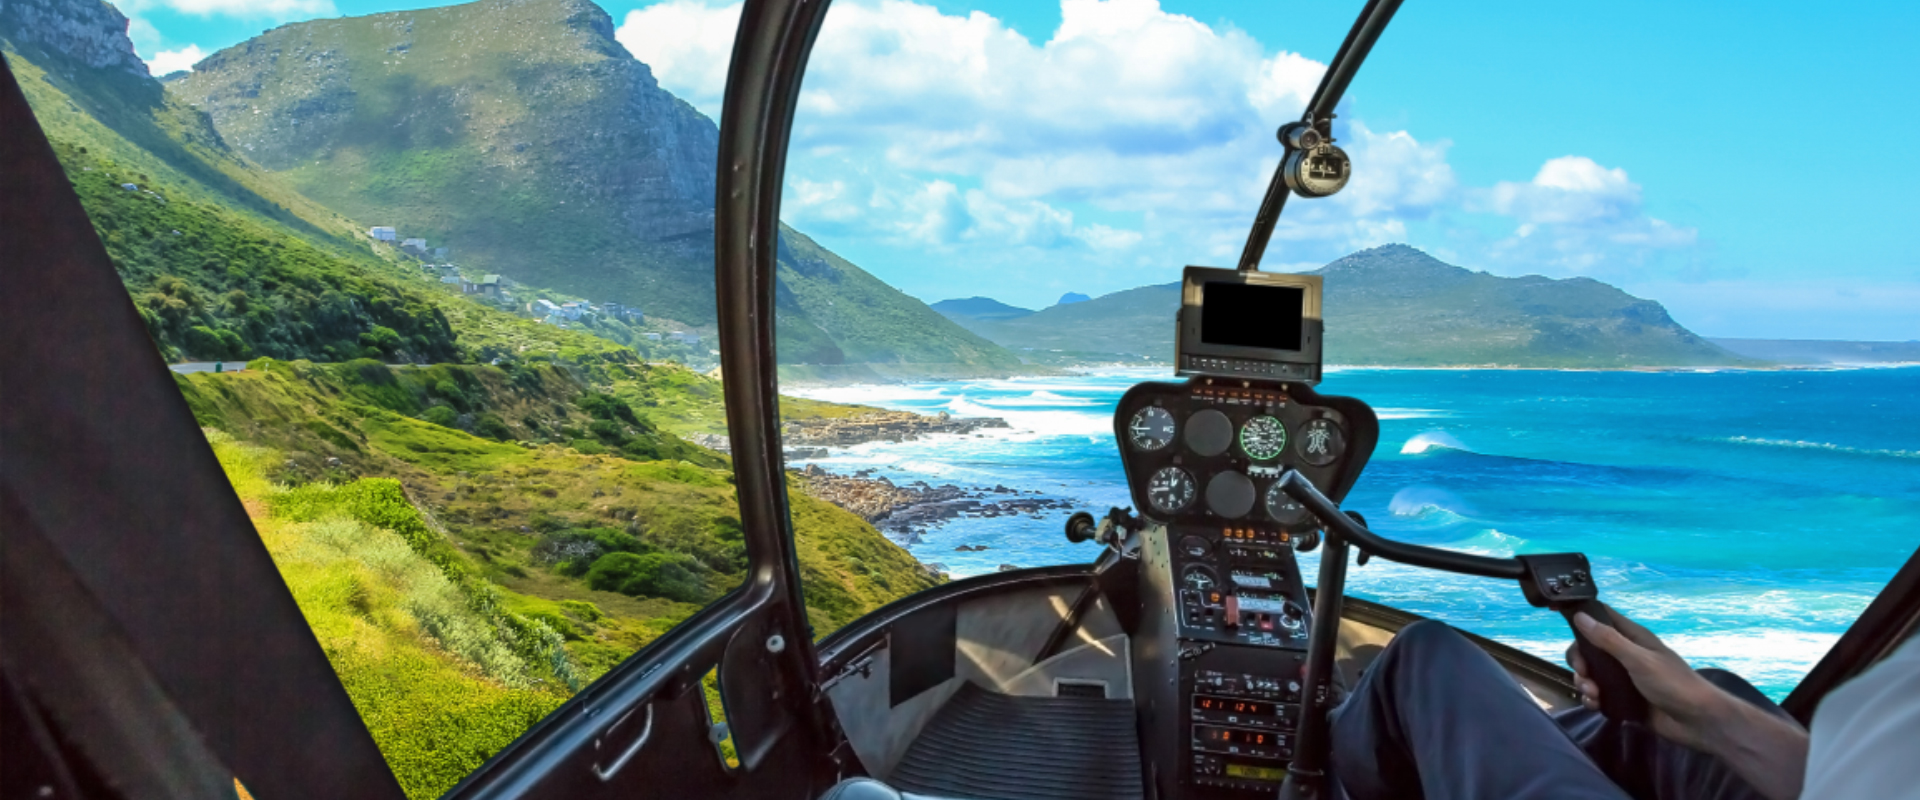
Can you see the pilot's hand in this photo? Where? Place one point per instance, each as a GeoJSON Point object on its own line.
{"type": "Point", "coordinates": [1684, 706]}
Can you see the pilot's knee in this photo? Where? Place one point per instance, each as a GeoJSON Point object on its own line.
{"type": "Point", "coordinates": [1428, 637]}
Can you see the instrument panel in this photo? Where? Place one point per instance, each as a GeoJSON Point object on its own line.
{"type": "Point", "coordinates": [1204, 458]}
{"type": "Point", "coordinates": [1210, 451]}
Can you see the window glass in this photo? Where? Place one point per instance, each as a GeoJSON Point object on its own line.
{"type": "Point", "coordinates": [1030, 178]}
{"type": "Point", "coordinates": [438, 284]}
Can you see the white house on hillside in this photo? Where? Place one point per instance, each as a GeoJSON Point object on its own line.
{"type": "Point", "coordinates": [383, 233]}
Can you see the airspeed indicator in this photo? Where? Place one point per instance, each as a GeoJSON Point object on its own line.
{"type": "Point", "coordinates": [1263, 438]}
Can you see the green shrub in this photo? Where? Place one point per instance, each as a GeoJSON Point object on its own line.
{"type": "Point", "coordinates": [668, 575]}
{"type": "Point", "coordinates": [442, 416]}
{"type": "Point", "coordinates": [493, 427]}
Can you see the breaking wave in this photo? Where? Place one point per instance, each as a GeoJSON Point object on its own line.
{"type": "Point", "coordinates": [1430, 440]}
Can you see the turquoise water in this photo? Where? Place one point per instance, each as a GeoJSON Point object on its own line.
{"type": "Point", "coordinates": [1746, 517]}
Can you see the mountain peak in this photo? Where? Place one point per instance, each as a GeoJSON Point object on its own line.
{"type": "Point", "coordinates": [1392, 259]}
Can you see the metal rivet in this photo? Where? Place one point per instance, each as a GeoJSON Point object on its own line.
{"type": "Point", "coordinates": [776, 643]}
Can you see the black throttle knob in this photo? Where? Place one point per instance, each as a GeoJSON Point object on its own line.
{"type": "Point", "coordinates": [1081, 527]}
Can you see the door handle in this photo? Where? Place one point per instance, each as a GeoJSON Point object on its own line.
{"type": "Point", "coordinates": [603, 742]}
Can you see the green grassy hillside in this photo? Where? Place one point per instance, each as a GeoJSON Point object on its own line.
{"type": "Point", "coordinates": [521, 134]}
{"type": "Point", "coordinates": [464, 585]}
{"type": "Point", "coordinates": [1396, 306]}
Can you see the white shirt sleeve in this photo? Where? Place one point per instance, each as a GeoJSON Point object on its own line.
{"type": "Point", "coordinates": [1865, 740]}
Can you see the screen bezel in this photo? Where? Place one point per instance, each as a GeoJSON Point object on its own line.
{"type": "Point", "coordinates": [1302, 365]}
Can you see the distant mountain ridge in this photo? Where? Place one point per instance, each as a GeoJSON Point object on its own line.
{"type": "Point", "coordinates": [1824, 351]}
{"type": "Point", "coordinates": [523, 135]}
{"type": "Point", "coordinates": [1396, 306]}
{"type": "Point", "coordinates": [978, 308]}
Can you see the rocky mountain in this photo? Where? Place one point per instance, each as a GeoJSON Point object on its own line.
{"type": "Point", "coordinates": [90, 33]}
{"type": "Point", "coordinates": [1395, 305]}
{"type": "Point", "coordinates": [524, 136]}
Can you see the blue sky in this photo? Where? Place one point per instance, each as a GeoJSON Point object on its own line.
{"type": "Point", "coordinates": [1751, 170]}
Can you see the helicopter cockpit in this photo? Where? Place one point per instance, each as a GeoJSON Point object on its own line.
{"type": "Point", "coordinates": [1198, 624]}
{"type": "Point", "coordinates": [1198, 654]}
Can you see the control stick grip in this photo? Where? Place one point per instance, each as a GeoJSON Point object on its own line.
{"type": "Point", "coordinates": [1619, 699]}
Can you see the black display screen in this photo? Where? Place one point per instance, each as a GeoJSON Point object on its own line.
{"type": "Point", "coordinates": [1252, 315]}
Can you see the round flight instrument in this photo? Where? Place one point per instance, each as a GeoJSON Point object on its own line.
{"type": "Point", "coordinates": [1283, 509]}
{"type": "Point", "coordinates": [1263, 438]}
{"type": "Point", "coordinates": [1199, 579]}
{"type": "Point", "coordinates": [1170, 490]}
{"type": "Point", "coordinates": [1152, 428]}
{"type": "Point", "coordinates": [1321, 442]}
{"type": "Point", "coordinates": [1209, 433]}
{"type": "Point", "coordinates": [1230, 494]}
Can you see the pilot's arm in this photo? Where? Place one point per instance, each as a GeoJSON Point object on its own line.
{"type": "Point", "coordinates": [1767, 750]}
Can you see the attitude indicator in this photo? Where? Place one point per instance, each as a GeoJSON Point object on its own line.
{"type": "Point", "coordinates": [1263, 438]}
{"type": "Point", "coordinates": [1170, 490]}
{"type": "Point", "coordinates": [1152, 428]}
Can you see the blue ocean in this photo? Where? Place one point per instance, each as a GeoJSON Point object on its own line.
{"type": "Point", "coordinates": [1745, 516]}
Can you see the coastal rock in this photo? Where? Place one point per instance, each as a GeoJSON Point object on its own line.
{"type": "Point", "coordinates": [906, 511]}
{"type": "Point", "coordinates": [881, 426]}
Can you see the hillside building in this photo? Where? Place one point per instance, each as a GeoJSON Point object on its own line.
{"type": "Point", "coordinates": [383, 233]}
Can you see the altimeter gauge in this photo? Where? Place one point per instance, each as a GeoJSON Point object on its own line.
{"type": "Point", "coordinates": [1170, 490]}
{"type": "Point", "coordinates": [1283, 509]}
{"type": "Point", "coordinates": [1263, 438]}
{"type": "Point", "coordinates": [1151, 429]}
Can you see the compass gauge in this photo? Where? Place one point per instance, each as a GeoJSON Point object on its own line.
{"type": "Point", "coordinates": [1170, 490]}
{"type": "Point", "coordinates": [1263, 438]}
{"type": "Point", "coordinates": [1151, 429]}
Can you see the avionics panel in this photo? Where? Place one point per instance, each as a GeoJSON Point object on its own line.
{"type": "Point", "coordinates": [1261, 325]}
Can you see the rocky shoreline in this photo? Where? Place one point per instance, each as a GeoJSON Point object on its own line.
{"type": "Point", "coordinates": [905, 512]}
{"type": "Point", "coordinates": [810, 438]}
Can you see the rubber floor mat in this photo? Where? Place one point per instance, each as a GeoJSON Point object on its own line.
{"type": "Point", "coordinates": [989, 746]}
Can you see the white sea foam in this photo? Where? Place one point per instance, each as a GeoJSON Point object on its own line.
{"type": "Point", "coordinates": [1835, 448]}
{"type": "Point", "coordinates": [1409, 413]}
{"type": "Point", "coordinates": [870, 394]}
{"type": "Point", "coordinates": [1030, 424]}
{"type": "Point", "coordinates": [1039, 399]}
{"type": "Point", "coordinates": [1422, 442]}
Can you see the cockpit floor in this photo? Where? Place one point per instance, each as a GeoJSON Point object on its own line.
{"type": "Point", "coordinates": [983, 745]}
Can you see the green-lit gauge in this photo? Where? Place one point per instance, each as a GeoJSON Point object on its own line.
{"type": "Point", "coordinates": [1263, 438]}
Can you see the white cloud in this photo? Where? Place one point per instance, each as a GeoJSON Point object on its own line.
{"type": "Point", "coordinates": [170, 61]}
{"type": "Point", "coordinates": [1578, 215]}
{"type": "Point", "coordinates": [690, 41]}
{"type": "Point", "coordinates": [1129, 136]}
